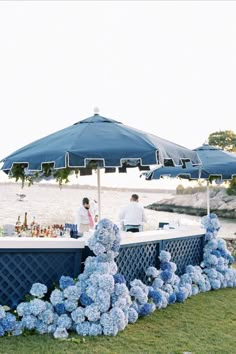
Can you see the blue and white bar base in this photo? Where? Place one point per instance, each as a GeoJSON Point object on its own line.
{"type": "Point", "coordinates": [25, 261]}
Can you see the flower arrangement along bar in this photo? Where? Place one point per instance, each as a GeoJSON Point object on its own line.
{"type": "Point", "coordinates": [99, 301]}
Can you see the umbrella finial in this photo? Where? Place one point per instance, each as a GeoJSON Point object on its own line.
{"type": "Point", "coordinates": [96, 110]}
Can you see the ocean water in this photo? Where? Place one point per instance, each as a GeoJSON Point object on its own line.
{"type": "Point", "coordinates": [52, 205]}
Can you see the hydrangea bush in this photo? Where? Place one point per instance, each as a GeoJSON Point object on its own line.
{"type": "Point", "coordinates": [99, 301]}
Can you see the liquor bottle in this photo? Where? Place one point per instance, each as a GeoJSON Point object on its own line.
{"type": "Point", "coordinates": [33, 223]}
{"type": "Point", "coordinates": [25, 225]}
{"type": "Point", "coordinates": [18, 225]}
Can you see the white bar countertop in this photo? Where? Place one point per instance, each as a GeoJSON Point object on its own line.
{"type": "Point", "coordinates": [126, 238]}
{"type": "Point", "coordinates": [155, 235]}
{"type": "Point", "coordinates": [158, 235]}
{"type": "Point", "coordinates": [43, 242]}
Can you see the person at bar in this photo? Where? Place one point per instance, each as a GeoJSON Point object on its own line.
{"type": "Point", "coordinates": [133, 216]}
{"type": "Point", "coordinates": [86, 216]}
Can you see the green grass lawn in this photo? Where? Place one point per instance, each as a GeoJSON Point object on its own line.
{"type": "Point", "coordinates": [205, 324]}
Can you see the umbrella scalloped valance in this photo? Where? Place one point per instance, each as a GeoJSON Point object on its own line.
{"type": "Point", "coordinates": [95, 142]}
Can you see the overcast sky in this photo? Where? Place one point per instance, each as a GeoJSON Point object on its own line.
{"type": "Point", "coordinates": [164, 67]}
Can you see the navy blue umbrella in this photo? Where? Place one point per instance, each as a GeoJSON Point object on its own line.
{"type": "Point", "coordinates": [216, 163]}
{"type": "Point", "coordinates": [100, 142]}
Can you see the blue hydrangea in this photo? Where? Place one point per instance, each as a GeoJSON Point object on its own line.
{"type": "Point", "coordinates": [8, 322]}
{"type": "Point", "coordinates": [195, 289]}
{"type": "Point", "coordinates": [70, 305]}
{"type": "Point", "coordinates": [166, 266]}
{"type": "Point", "coordinates": [95, 329]}
{"type": "Point", "coordinates": [85, 300]}
{"type": "Point", "coordinates": [106, 283]}
{"type": "Point", "coordinates": [92, 312]}
{"type": "Point", "coordinates": [60, 333]}
{"type": "Point", "coordinates": [156, 296]}
{"type": "Point", "coordinates": [216, 253]}
{"type": "Point", "coordinates": [72, 293]}
{"type": "Point", "coordinates": [83, 328]}
{"type": "Point", "coordinates": [23, 309]}
{"type": "Point", "coordinates": [166, 276]}
{"type": "Point", "coordinates": [146, 309]}
{"type": "Point", "coordinates": [212, 260]}
{"type": "Point", "coordinates": [172, 299]}
{"type": "Point", "coordinates": [165, 256]}
{"type": "Point", "coordinates": [181, 295]}
{"type": "Point", "coordinates": [56, 297]}
{"type": "Point", "coordinates": [38, 290]}
{"type": "Point", "coordinates": [98, 249]}
{"type": "Point", "coordinates": [152, 272]}
{"type": "Point", "coordinates": [167, 288]}
{"type": "Point", "coordinates": [47, 317]}
{"type": "Point", "coordinates": [157, 283]}
{"type": "Point", "coordinates": [186, 279]}
{"type": "Point", "coordinates": [230, 259]}
{"type": "Point", "coordinates": [108, 325]}
{"type": "Point", "coordinates": [2, 312]}
{"type": "Point", "coordinates": [2, 332]}
{"type": "Point", "coordinates": [29, 321]}
{"type": "Point", "coordinates": [64, 321]}
{"type": "Point", "coordinates": [136, 291]}
{"type": "Point", "coordinates": [132, 315]}
{"type": "Point", "coordinates": [41, 327]}
{"type": "Point", "coordinates": [17, 329]}
{"type": "Point", "coordinates": [118, 318]}
{"type": "Point", "coordinates": [173, 267]}
{"type": "Point", "coordinates": [60, 308]}
{"type": "Point", "coordinates": [78, 315]}
{"type": "Point", "coordinates": [37, 306]}
{"type": "Point", "coordinates": [103, 300]}
{"type": "Point", "coordinates": [119, 278]}
{"type": "Point", "coordinates": [52, 328]}
{"type": "Point", "coordinates": [138, 282]}
{"type": "Point", "coordinates": [215, 283]}
{"type": "Point", "coordinates": [65, 281]}
{"type": "Point", "coordinates": [121, 290]}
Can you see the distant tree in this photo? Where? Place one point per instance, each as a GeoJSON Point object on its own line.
{"type": "Point", "coordinates": [227, 141]}
{"type": "Point", "coordinates": [224, 139]}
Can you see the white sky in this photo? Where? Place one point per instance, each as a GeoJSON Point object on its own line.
{"type": "Point", "coordinates": [163, 67]}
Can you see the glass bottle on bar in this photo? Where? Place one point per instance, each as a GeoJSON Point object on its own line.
{"type": "Point", "coordinates": [25, 225]}
{"type": "Point", "coordinates": [18, 225]}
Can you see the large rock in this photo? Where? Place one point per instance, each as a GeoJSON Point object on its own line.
{"type": "Point", "coordinates": [196, 204]}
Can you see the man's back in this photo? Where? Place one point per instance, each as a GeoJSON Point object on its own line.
{"type": "Point", "coordinates": [133, 214]}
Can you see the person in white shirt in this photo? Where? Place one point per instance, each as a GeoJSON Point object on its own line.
{"type": "Point", "coordinates": [133, 215]}
{"type": "Point", "coordinates": [86, 216]}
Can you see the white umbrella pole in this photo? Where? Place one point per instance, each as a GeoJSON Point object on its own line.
{"type": "Point", "coordinates": [99, 193]}
{"type": "Point", "coordinates": [208, 198]}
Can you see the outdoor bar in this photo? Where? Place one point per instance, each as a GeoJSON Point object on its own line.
{"type": "Point", "coordinates": [28, 260]}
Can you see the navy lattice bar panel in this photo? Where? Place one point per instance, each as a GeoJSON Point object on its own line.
{"type": "Point", "coordinates": [134, 259]}
{"type": "Point", "coordinates": [19, 269]}
{"type": "Point", "coordinates": [185, 251]}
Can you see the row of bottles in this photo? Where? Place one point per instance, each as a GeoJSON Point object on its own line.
{"type": "Point", "coordinates": [24, 226]}
{"type": "Point", "coordinates": [35, 229]}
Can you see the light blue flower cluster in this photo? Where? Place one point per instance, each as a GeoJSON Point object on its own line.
{"type": "Point", "coordinates": [141, 305]}
{"type": "Point", "coordinates": [97, 303]}
{"type": "Point", "coordinates": [164, 283]}
{"type": "Point", "coordinates": [9, 323]}
{"type": "Point", "coordinates": [38, 290]}
{"type": "Point", "coordinates": [105, 238]}
{"type": "Point", "coordinates": [217, 260]}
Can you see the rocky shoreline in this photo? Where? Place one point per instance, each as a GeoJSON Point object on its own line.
{"type": "Point", "coordinates": [221, 204]}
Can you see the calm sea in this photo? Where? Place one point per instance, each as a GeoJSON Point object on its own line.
{"type": "Point", "coordinates": [52, 205]}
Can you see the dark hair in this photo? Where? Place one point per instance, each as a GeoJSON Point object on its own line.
{"type": "Point", "coordinates": [134, 197]}
{"type": "Point", "coordinates": [85, 201]}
